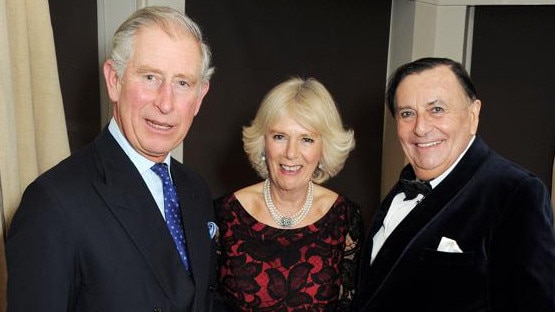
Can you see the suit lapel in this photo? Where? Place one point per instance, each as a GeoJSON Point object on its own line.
{"type": "Point", "coordinates": [375, 226]}
{"type": "Point", "coordinates": [195, 227]}
{"type": "Point", "coordinates": [130, 201]}
{"type": "Point", "coordinates": [382, 212]}
{"type": "Point", "coordinates": [429, 209]}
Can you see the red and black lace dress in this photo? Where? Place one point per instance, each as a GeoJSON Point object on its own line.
{"type": "Point", "coordinates": [313, 268]}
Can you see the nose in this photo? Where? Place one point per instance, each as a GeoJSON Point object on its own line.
{"type": "Point", "coordinates": [292, 149]}
{"type": "Point", "coordinates": [422, 125]}
{"type": "Point", "coordinates": [164, 98]}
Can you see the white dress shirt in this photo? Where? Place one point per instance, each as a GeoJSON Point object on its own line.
{"type": "Point", "coordinates": [142, 164]}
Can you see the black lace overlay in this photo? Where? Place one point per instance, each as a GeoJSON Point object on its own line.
{"type": "Point", "coordinates": [313, 268]}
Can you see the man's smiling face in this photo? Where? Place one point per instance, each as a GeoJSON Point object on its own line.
{"type": "Point", "coordinates": [435, 120]}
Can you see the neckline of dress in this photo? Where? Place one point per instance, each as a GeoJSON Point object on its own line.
{"type": "Point", "coordinates": [303, 228]}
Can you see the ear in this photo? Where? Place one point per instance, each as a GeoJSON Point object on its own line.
{"type": "Point", "coordinates": [475, 116]}
{"type": "Point", "coordinates": [205, 85]}
{"type": "Point", "coordinates": [112, 80]}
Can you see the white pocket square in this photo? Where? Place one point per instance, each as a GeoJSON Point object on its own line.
{"type": "Point", "coordinates": [448, 245]}
{"type": "Point", "coordinates": [212, 229]}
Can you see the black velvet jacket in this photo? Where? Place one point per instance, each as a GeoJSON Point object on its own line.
{"type": "Point", "coordinates": [501, 217]}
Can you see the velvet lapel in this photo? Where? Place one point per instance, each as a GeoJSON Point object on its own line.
{"type": "Point", "coordinates": [375, 226]}
{"type": "Point", "coordinates": [401, 239]}
{"type": "Point", "coordinates": [195, 225]}
{"type": "Point", "coordinates": [382, 212]}
{"type": "Point", "coordinates": [128, 198]}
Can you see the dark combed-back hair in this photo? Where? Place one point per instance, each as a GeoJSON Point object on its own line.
{"type": "Point", "coordinates": [421, 65]}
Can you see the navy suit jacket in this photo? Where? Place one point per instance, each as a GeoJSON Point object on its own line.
{"type": "Point", "coordinates": [501, 217]}
{"type": "Point", "coordinates": [88, 236]}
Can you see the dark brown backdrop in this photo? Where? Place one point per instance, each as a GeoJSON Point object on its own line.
{"type": "Point", "coordinates": [257, 44]}
{"type": "Point", "coordinates": [76, 39]}
{"type": "Point", "coordinates": [513, 67]}
{"type": "Point", "coordinates": [344, 44]}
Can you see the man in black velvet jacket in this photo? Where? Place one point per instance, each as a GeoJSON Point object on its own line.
{"type": "Point", "coordinates": [481, 238]}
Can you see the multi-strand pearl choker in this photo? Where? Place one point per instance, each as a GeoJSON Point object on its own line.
{"type": "Point", "coordinates": [279, 218]}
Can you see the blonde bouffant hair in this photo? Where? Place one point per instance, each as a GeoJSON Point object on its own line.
{"type": "Point", "coordinates": [312, 106]}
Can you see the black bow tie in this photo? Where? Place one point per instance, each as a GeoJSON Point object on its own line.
{"type": "Point", "coordinates": [412, 188]}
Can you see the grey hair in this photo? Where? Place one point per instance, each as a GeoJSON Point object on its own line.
{"type": "Point", "coordinates": [164, 18]}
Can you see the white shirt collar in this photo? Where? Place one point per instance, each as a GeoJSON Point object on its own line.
{"type": "Point", "coordinates": [142, 163]}
{"type": "Point", "coordinates": [442, 176]}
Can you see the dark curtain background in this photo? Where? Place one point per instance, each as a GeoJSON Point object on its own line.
{"type": "Point", "coordinates": [74, 24]}
{"type": "Point", "coordinates": [513, 66]}
{"type": "Point", "coordinates": [257, 44]}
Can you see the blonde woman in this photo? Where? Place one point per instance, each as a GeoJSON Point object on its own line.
{"type": "Point", "coordinates": [288, 243]}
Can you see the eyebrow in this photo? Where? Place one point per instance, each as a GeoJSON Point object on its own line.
{"type": "Point", "coordinates": [147, 69]}
{"type": "Point", "coordinates": [429, 103]}
{"type": "Point", "coordinates": [309, 133]}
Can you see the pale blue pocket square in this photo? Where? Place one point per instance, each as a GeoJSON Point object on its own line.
{"type": "Point", "coordinates": [212, 229]}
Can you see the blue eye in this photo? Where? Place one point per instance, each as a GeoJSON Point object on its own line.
{"type": "Point", "coordinates": [278, 136]}
{"type": "Point", "coordinates": [308, 140]}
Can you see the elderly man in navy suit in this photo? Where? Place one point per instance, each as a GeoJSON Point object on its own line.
{"type": "Point", "coordinates": [120, 225]}
{"type": "Point", "coordinates": [464, 229]}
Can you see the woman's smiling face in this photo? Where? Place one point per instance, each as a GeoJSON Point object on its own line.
{"type": "Point", "coordinates": [292, 153]}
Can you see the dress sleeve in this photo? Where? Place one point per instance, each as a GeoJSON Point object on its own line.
{"type": "Point", "coordinates": [348, 267]}
{"type": "Point", "coordinates": [221, 209]}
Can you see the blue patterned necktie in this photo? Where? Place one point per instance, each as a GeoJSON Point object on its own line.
{"type": "Point", "coordinates": [172, 211]}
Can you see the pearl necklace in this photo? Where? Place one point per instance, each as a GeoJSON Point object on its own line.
{"type": "Point", "coordinates": [288, 221]}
